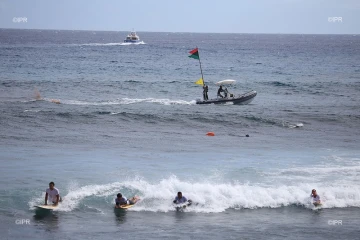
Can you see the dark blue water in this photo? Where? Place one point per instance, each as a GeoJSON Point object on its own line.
{"type": "Point", "coordinates": [127, 122]}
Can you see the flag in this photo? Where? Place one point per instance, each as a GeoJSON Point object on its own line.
{"type": "Point", "coordinates": [200, 81]}
{"type": "Point", "coordinates": [194, 53]}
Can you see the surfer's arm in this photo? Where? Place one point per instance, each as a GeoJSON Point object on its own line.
{"type": "Point", "coordinates": [46, 198]}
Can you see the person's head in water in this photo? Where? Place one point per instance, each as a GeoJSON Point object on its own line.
{"type": "Point", "coordinates": [119, 195]}
{"type": "Point", "coordinates": [179, 195]}
{"type": "Point", "coordinates": [51, 185]}
{"type": "Point", "coordinates": [313, 192]}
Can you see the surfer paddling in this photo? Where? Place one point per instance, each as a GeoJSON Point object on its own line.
{"type": "Point", "coordinates": [180, 199]}
{"type": "Point", "coordinates": [121, 200]}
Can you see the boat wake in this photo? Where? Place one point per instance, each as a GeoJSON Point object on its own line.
{"type": "Point", "coordinates": [100, 44]}
{"type": "Point", "coordinates": [123, 101]}
{"type": "Point", "coordinates": [130, 43]}
{"type": "Point", "coordinates": [111, 44]}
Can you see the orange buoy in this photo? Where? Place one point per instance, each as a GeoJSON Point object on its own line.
{"type": "Point", "coordinates": [210, 134]}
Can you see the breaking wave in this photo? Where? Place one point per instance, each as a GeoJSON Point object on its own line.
{"type": "Point", "coordinates": [207, 196]}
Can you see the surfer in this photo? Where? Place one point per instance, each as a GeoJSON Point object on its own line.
{"type": "Point", "coordinates": [205, 92]}
{"type": "Point", "coordinates": [181, 199]}
{"type": "Point", "coordinates": [53, 194]}
{"type": "Point", "coordinates": [219, 92]}
{"type": "Point", "coordinates": [315, 197]}
{"type": "Point", "coordinates": [122, 200]}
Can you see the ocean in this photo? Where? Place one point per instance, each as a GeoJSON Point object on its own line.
{"type": "Point", "coordinates": [128, 122]}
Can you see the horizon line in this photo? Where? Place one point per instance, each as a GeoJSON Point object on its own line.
{"type": "Point", "coordinates": [87, 30]}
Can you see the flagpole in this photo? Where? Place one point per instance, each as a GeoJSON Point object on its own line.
{"type": "Point", "coordinates": [201, 69]}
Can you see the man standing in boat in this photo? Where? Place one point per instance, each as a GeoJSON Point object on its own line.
{"type": "Point", "coordinates": [205, 92]}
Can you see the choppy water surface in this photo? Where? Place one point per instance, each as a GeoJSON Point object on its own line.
{"type": "Point", "coordinates": [127, 122]}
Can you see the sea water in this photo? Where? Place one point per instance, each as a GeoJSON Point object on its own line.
{"type": "Point", "coordinates": [127, 122]}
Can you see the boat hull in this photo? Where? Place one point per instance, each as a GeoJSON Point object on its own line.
{"type": "Point", "coordinates": [131, 41]}
{"type": "Point", "coordinates": [237, 100]}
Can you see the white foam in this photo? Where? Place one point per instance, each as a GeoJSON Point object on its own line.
{"type": "Point", "coordinates": [323, 171]}
{"type": "Point", "coordinates": [293, 125]}
{"type": "Point", "coordinates": [32, 110]}
{"type": "Point", "coordinates": [100, 44]}
{"type": "Point", "coordinates": [36, 200]}
{"type": "Point", "coordinates": [212, 196]}
{"type": "Point", "coordinates": [109, 44]}
{"type": "Point", "coordinates": [156, 100]}
{"type": "Point", "coordinates": [137, 43]}
{"type": "Point", "coordinates": [127, 101]}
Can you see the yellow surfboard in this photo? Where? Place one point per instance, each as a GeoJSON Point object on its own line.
{"type": "Point", "coordinates": [47, 207]}
{"type": "Point", "coordinates": [127, 206]}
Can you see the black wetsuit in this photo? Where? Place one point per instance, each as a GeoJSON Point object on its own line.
{"type": "Point", "coordinates": [219, 92]}
{"type": "Point", "coordinates": [205, 92]}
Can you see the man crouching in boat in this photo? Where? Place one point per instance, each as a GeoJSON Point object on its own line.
{"type": "Point", "coordinates": [219, 92]}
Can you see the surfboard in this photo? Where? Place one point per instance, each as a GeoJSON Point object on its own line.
{"type": "Point", "coordinates": [47, 207]}
{"type": "Point", "coordinates": [180, 207]}
{"type": "Point", "coordinates": [317, 204]}
{"type": "Point", "coordinates": [127, 206]}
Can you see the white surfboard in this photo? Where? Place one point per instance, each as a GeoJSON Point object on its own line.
{"type": "Point", "coordinates": [182, 206]}
{"type": "Point", "coordinates": [47, 207]}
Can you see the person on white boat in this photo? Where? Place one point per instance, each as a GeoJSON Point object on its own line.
{"type": "Point", "coordinates": [226, 92]}
{"type": "Point", "coordinates": [205, 92]}
{"type": "Point", "coordinates": [219, 92]}
{"type": "Point", "coordinates": [315, 197]}
{"type": "Point", "coordinates": [52, 194]}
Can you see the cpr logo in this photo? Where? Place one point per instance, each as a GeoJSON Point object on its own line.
{"type": "Point", "coordinates": [335, 19]}
{"type": "Point", "coordinates": [335, 222]}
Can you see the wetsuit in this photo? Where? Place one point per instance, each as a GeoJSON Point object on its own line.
{"type": "Point", "coordinates": [205, 92]}
{"type": "Point", "coordinates": [219, 92]}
